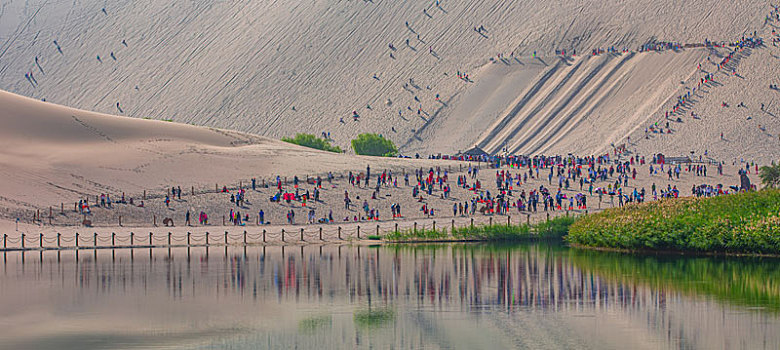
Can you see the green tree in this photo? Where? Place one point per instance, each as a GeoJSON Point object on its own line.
{"type": "Point", "coordinates": [374, 145]}
{"type": "Point", "coordinates": [770, 175]}
{"type": "Point", "coordinates": [311, 141]}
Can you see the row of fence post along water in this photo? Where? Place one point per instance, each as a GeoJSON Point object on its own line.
{"type": "Point", "coordinates": [133, 240]}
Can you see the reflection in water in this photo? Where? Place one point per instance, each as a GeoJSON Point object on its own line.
{"type": "Point", "coordinates": [440, 296]}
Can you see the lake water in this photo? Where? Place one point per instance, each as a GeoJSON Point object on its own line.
{"type": "Point", "coordinates": [535, 296]}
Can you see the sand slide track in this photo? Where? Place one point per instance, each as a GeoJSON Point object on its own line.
{"type": "Point", "coordinates": [536, 103]}
{"type": "Point", "coordinates": [615, 91]}
{"type": "Point", "coordinates": [585, 94]}
{"type": "Point", "coordinates": [566, 94]}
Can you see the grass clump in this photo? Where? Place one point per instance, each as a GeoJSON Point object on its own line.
{"type": "Point", "coordinates": [418, 235]}
{"type": "Point", "coordinates": [741, 223]}
{"type": "Point", "coordinates": [555, 228]}
{"type": "Point", "coordinates": [493, 232]}
{"type": "Point", "coordinates": [311, 141]}
{"type": "Point", "coordinates": [314, 323]}
{"type": "Point", "coordinates": [373, 318]}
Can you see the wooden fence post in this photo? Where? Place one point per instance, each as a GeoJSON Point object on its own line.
{"type": "Point", "coordinates": [263, 235]}
{"type": "Point", "coordinates": [358, 231]}
{"type": "Point", "coordinates": [207, 238]}
{"type": "Point", "coordinates": [321, 233]}
{"type": "Point", "coordinates": [245, 237]}
{"type": "Point", "coordinates": [282, 235]}
{"type": "Point", "coordinates": [339, 232]}
{"type": "Point", "coordinates": [169, 239]}
{"type": "Point", "coordinates": [226, 238]}
{"type": "Point", "coordinates": [58, 240]}
{"type": "Point", "coordinates": [302, 234]}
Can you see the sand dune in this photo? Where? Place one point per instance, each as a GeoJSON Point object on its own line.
{"type": "Point", "coordinates": [279, 68]}
{"type": "Point", "coordinates": [53, 154]}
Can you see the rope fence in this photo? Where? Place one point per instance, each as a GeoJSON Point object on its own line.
{"type": "Point", "coordinates": [255, 235]}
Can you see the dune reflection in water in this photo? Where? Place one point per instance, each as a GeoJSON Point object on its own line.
{"type": "Point", "coordinates": [441, 296]}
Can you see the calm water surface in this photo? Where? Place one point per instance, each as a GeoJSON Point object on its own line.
{"type": "Point", "coordinates": [532, 296]}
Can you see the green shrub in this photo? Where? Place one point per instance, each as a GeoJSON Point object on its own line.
{"type": "Point", "coordinates": [374, 145]}
{"type": "Point", "coordinates": [770, 175]}
{"type": "Point", "coordinates": [741, 223]}
{"type": "Point", "coordinates": [311, 141]}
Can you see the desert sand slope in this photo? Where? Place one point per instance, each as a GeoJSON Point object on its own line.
{"type": "Point", "coordinates": [570, 106]}
{"type": "Point", "coordinates": [750, 132]}
{"type": "Point", "coordinates": [53, 154]}
{"type": "Point", "coordinates": [588, 105]}
{"type": "Point", "coordinates": [277, 68]}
